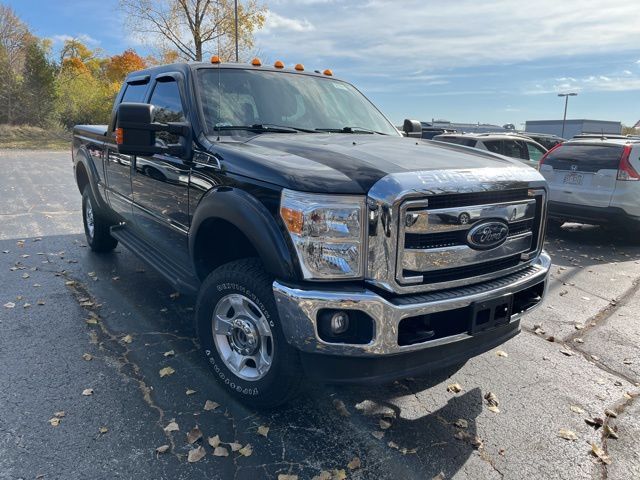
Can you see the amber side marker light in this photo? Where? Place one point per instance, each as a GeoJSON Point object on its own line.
{"type": "Point", "coordinates": [216, 59]}
{"type": "Point", "coordinates": [293, 219]}
{"type": "Point", "coordinates": [278, 64]}
{"type": "Point", "coordinates": [328, 73]}
{"type": "Point", "coordinates": [300, 67]}
{"type": "Point", "coordinates": [256, 62]}
{"type": "Point", "coordinates": [119, 136]}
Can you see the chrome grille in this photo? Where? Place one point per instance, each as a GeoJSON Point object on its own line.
{"type": "Point", "coordinates": [433, 244]}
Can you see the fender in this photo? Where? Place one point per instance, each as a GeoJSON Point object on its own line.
{"type": "Point", "coordinates": [251, 217]}
{"type": "Point", "coordinates": [83, 157]}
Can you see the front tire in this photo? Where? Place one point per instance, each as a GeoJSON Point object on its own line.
{"type": "Point", "coordinates": [241, 336]}
{"type": "Point", "coordinates": [96, 227]}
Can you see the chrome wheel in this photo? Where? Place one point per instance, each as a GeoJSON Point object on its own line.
{"type": "Point", "coordinates": [242, 337]}
{"type": "Point", "coordinates": [88, 218]}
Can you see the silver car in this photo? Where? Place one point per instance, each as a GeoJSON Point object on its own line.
{"type": "Point", "coordinates": [594, 180]}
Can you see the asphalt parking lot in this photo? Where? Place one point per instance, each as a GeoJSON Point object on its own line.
{"type": "Point", "coordinates": [71, 321]}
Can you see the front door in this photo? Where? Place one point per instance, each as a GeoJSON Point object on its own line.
{"type": "Point", "coordinates": [161, 182]}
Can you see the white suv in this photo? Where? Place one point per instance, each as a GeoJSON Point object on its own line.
{"type": "Point", "coordinates": [594, 180]}
{"type": "Point", "coordinates": [511, 145]}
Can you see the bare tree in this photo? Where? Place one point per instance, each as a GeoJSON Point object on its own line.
{"type": "Point", "coordinates": [14, 35]}
{"type": "Point", "coordinates": [191, 26]}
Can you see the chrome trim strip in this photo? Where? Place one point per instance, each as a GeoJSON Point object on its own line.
{"type": "Point", "coordinates": [298, 310]}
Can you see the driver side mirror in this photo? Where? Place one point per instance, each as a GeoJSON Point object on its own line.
{"type": "Point", "coordinates": [136, 132]}
{"type": "Point", "coordinates": [412, 128]}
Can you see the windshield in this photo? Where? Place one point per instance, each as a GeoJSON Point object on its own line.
{"type": "Point", "coordinates": [237, 97]}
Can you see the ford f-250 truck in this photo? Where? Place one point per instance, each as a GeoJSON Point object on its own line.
{"type": "Point", "coordinates": [319, 240]}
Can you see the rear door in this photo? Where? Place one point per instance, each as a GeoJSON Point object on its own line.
{"type": "Point", "coordinates": [582, 173]}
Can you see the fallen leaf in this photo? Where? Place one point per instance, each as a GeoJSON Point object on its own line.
{"type": "Point", "coordinates": [566, 352]}
{"type": "Point", "coordinates": [235, 446]}
{"type": "Point", "coordinates": [174, 295]}
{"type": "Point", "coordinates": [567, 434]}
{"type": "Point", "coordinates": [354, 464]}
{"type": "Point", "coordinates": [26, 305]}
{"type": "Point", "coordinates": [194, 435]}
{"type": "Point", "coordinates": [115, 279]}
{"type": "Point", "coordinates": [92, 274]}
{"type": "Point", "coordinates": [286, 476]}
{"type": "Point", "coordinates": [91, 321]}
{"type": "Point", "coordinates": [171, 427]}
{"type": "Point", "coordinates": [502, 353]}
{"type": "Point", "coordinates": [54, 421]}
{"type": "Point", "coordinates": [220, 452]}
{"type": "Point", "coordinates": [40, 302]}
{"type": "Point", "coordinates": [87, 392]}
{"type": "Point", "coordinates": [599, 452]}
{"type": "Point", "coordinates": [9, 305]}
{"type": "Point", "coordinates": [166, 371]}
{"type": "Point", "coordinates": [439, 476]}
{"type": "Point", "coordinates": [323, 475]}
{"type": "Point", "coordinates": [87, 356]}
{"type": "Point", "coordinates": [377, 434]}
{"type": "Point", "coordinates": [454, 388]}
{"type": "Point", "coordinates": [246, 451]}
{"type": "Point", "coordinates": [339, 474]}
{"type": "Point", "coordinates": [626, 361]}
{"type": "Point", "coordinates": [539, 331]}
{"type": "Point", "coordinates": [190, 392]}
{"type": "Point", "coordinates": [60, 414]}
{"type": "Point", "coordinates": [576, 409]}
{"type": "Point", "coordinates": [25, 275]}
{"type": "Point", "coordinates": [384, 425]}
{"type": "Point", "coordinates": [103, 430]}
{"type": "Point", "coordinates": [196, 454]}
{"type": "Point", "coordinates": [263, 430]}
{"type": "Point", "coordinates": [578, 326]}
{"type": "Point", "coordinates": [594, 422]}
{"type": "Point", "coordinates": [493, 408]}
{"type": "Point", "coordinates": [491, 399]}
{"type": "Point", "coordinates": [341, 408]}
{"type": "Point", "coordinates": [586, 299]}
{"type": "Point", "coordinates": [610, 432]}
{"type": "Point", "coordinates": [392, 444]}
{"type": "Point", "coordinates": [610, 413]}
{"type": "Point", "coordinates": [461, 423]}
{"type": "Point", "coordinates": [209, 405]}
{"type": "Point", "coordinates": [214, 441]}
{"type": "Point", "coordinates": [162, 449]}
{"type": "Point", "coordinates": [170, 353]}
{"type": "Point", "coordinates": [128, 339]}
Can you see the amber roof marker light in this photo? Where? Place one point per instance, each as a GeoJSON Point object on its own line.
{"type": "Point", "coordinates": [299, 67]}
{"type": "Point", "coordinates": [256, 62]}
{"type": "Point", "coordinates": [328, 73]}
{"type": "Point", "coordinates": [278, 64]}
{"type": "Point", "coordinates": [216, 60]}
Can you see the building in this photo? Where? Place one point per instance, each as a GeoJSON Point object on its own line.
{"type": "Point", "coordinates": [636, 127]}
{"type": "Point", "coordinates": [573, 127]}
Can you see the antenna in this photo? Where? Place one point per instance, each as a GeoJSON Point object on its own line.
{"type": "Point", "coordinates": [219, 103]}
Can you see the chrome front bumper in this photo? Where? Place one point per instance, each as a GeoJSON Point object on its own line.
{"type": "Point", "coordinates": [298, 310]}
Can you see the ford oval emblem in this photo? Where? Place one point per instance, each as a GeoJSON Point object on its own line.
{"type": "Point", "coordinates": [487, 235]}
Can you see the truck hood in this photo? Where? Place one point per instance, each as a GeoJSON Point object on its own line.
{"type": "Point", "coordinates": [345, 163]}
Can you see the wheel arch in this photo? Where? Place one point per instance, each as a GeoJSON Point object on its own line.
{"type": "Point", "coordinates": [230, 224]}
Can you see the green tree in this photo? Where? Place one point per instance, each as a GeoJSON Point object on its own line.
{"type": "Point", "coordinates": [38, 85]}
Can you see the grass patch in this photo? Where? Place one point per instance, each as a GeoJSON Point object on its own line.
{"type": "Point", "coordinates": [34, 138]}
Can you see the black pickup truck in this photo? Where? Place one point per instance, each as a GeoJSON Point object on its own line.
{"type": "Point", "coordinates": [319, 240]}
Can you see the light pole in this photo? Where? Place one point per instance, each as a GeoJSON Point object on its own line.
{"type": "Point", "coordinates": [566, 102]}
{"type": "Point", "coordinates": [236, 13]}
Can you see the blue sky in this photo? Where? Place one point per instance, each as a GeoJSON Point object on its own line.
{"type": "Point", "coordinates": [495, 61]}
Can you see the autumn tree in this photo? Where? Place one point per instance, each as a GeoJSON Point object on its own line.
{"type": "Point", "coordinates": [195, 27]}
{"type": "Point", "coordinates": [38, 85]}
{"type": "Point", "coordinates": [14, 36]}
{"type": "Point", "coordinates": [118, 67]}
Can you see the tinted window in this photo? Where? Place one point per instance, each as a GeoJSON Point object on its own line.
{"type": "Point", "coordinates": [515, 149]}
{"type": "Point", "coordinates": [168, 108]}
{"type": "Point", "coordinates": [135, 92]}
{"type": "Point", "coordinates": [493, 146]}
{"type": "Point", "coordinates": [535, 152]}
{"type": "Point", "coordinates": [587, 158]}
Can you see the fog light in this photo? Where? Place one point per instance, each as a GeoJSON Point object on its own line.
{"type": "Point", "coordinates": [339, 323]}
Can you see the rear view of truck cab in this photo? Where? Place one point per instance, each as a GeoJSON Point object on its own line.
{"type": "Point", "coordinates": [594, 180]}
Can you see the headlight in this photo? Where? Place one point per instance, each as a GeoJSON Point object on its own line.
{"type": "Point", "coordinates": [327, 231]}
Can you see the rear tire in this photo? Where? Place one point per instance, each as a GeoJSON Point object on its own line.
{"type": "Point", "coordinates": [96, 227]}
{"type": "Point", "coordinates": [241, 336]}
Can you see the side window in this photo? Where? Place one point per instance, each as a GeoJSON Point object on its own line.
{"type": "Point", "coordinates": [515, 149]}
{"type": "Point", "coordinates": [493, 146]}
{"type": "Point", "coordinates": [535, 152]}
{"type": "Point", "coordinates": [168, 108]}
{"type": "Point", "coordinates": [135, 92]}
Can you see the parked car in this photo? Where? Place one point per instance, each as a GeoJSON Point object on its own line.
{"type": "Point", "coordinates": [547, 140]}
{"type": "Point", "coordinates": [594, 180]}
{"type": "Point", "coordinates": [508, 144]}
{"type": "Point", "coordinates": [309, 228]}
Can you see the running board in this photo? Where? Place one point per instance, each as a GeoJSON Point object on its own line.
{"type": "Point", "coordinates": [181, 278]}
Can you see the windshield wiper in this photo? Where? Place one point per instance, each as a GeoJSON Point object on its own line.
{"type": "Point", "coordinates": [349, 130]}
{"type": "Point", "coordinates": [263, 128]}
